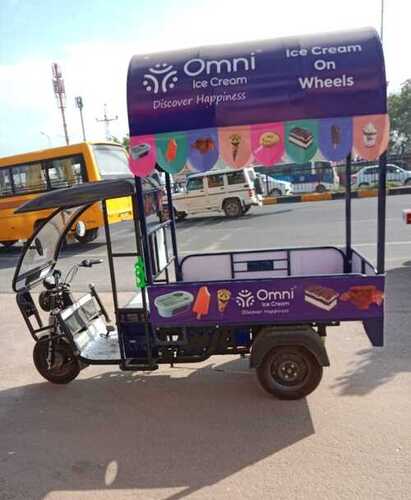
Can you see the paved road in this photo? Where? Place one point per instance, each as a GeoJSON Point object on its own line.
{"type": "Point", "coordinates": [298, 224]}
{"type": "Point", "coordinates": [208, 431]}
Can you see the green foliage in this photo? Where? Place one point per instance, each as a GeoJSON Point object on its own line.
{"type": "Point", "coordinates": [399, 108]}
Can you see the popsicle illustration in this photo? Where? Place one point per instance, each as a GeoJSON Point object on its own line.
{"type": "Point", "coordinates": [171, 151]}
{"type": "Point", "coordinates": [202, 302]}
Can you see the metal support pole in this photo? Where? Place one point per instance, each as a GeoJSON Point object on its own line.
{"type": "Point", "coordinates": [110, 256]}
{"type": "Point", "coordinates": [348, 243]}
{"type": "Point", "coordinates": [143, 226]}
{"type": "Point", "coordinates": [82, 125]}
{"type": "Point", "coordinates": [172, 226]}
{"type": "Point", "coordinates": [63, 116]}
{"type": "Point", "coordinates": [381, 213]}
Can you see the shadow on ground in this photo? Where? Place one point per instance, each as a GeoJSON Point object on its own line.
{"type": "Point", "coordinates": [127, 431]}
{"type": "Point", "coordinates": [376, 366]}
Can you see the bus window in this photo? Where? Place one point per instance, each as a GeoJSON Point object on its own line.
{"type": "Point", "coordinates": [112, 161]}
{"type": "Point", "coordinates": [28, 178]}
{"type": "Point", "coordinates": [65, 172]}
{"type": "Point", "coordinates": [5, 183]}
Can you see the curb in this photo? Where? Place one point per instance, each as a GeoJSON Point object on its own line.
{"type": "Point", "coordinates": [363, 193]}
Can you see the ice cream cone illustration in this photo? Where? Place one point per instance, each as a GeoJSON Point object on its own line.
{"type": "Point", "coordinates": [369, 135]}
{"type": "Point", "coordinates": [235, 140]}
{"type": "Point", "coordinates": [223, 298]}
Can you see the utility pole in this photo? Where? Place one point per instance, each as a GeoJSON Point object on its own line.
{"type": "Point", "coordinates": [79, 105]}
{"type": "Point", "coordinates": [107, 121]}
{"type": "Point", "coordinates": [382, 21]}
{"type": "Point", "coordinates": [59, 90]}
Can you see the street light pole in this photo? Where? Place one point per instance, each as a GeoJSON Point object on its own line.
{"type": "Point", "coordinates": [47, 136]}
{"type": "Point", "coordinates": [79, 104]}
{"type": "Point", "coordinates": [382, 21]}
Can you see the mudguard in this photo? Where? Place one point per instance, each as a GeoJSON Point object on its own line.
{"type": "Point", "coordinates": [295, 335]}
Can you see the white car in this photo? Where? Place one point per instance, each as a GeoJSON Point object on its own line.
{"type": "Point", "coordinates": [368, 176]}
{"type": "Point", "coordinates": [229, 191]}
{"type": "Point", "coordinates": [274, 187]}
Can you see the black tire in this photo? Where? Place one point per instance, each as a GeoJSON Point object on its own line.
{"type": "Point", "coordinates": [320, 188]}
{"type": "Point", "coordinates": [363, 185]}
{"type": "Point", "coordinates": [275, 192]}
{"type": "Point", "coordinates": [91, 235]}
{"type": "Point", "coordinates": [232, 207]}
{"type": "Point", "coordinates": [67, 365]}
{"type": "Point", "coordinates": [9, 243]}
{"type": "Point", "coordinates": [289, 372]}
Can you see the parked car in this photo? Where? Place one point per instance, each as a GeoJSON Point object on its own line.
{"type": "Point", "coordinates": [368, 176]}
{"type": "Point", "coordinates": [274, 187]}
{"type": "Point", "coordinates": [230, 191]}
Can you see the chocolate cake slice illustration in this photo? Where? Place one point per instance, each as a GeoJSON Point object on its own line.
{"type": "Point", "coordinates": [321, 297]}
{"type": "Point", "coordinates": [301, 137]}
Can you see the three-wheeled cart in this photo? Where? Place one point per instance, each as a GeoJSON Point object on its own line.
{"type": "Point", "coordinates": [315, 96]}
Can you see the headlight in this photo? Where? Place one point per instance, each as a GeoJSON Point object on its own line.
{"type": "Point", "coordinates": [80, 229]}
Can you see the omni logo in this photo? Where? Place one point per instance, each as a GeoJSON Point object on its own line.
{"type": "Point", "coordinates": [161, 77]}
{"type": "Point", "coordinates": [245, 299]}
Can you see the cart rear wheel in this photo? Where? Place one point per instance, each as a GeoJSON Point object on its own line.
{"type": "Point", "coordinates": [66, 365]}
{"type": "Point", "coordinates": [289, 372]}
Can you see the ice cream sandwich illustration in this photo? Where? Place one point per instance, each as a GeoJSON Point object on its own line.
{"type": "Point", "coordinates": [171, 304]}
{"type": "Point", "coordinates": [321, 297]}
{"type": "Point", "coordinates": [300, 137]}
{"type": "Point", "coordinates": [202, 302]}
{"type": "Point", "coordinates": [139, 151]}
{"type": "Point", "coordinates": [362, 296]}
{"type": "Point", "coordinates": [369, 133]}
{"type": "Point", "coordinates": [204, 145]}
{"type": "Point", "coordinates": [223, 298]}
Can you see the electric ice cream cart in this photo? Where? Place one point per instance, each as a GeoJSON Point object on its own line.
{"type": "Point", "coordinates": [320, 96]}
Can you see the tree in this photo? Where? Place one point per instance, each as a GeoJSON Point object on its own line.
{"type": "Point", "coordinates": [125, 141]}
{"type": "Point", "coordinates": [399, 108]}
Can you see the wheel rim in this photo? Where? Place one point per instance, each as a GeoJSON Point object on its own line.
{"type": "Point", "coordinates": [64, 361]}
{"type": "Point", "coordinates": [289, 369]}
{"type": "Point", "coordinates": [231, 208]}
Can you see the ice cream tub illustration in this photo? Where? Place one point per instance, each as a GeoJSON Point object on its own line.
{"type": "Point", "coordinates": [171, 304]}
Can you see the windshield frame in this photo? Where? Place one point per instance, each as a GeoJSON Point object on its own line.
{"type": "Point", "coordinates": [36, 272]}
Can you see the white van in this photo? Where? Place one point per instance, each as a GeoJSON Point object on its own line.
{"type": "Point", "coordinates": [229, 191]}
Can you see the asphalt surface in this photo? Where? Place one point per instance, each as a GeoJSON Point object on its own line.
{"type": "Point", "coordinates": [285, 225]}
{"type": "Point", "coordinates": [208, 431]}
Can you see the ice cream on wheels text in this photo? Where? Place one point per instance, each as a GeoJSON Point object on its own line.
{"type": "Point", "coordinates": [325, 298]}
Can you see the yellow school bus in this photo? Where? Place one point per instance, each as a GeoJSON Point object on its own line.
{"type": "Point", "coordinates": [24, 176]}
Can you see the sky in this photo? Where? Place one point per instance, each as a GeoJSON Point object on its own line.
{"type": "Point", "coordinates": [94, 40]}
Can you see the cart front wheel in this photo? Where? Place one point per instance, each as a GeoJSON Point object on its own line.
{"type": "Point", "coordinates": [289, 372]}
{"type": "Point", "coordinates": [65, 368]}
